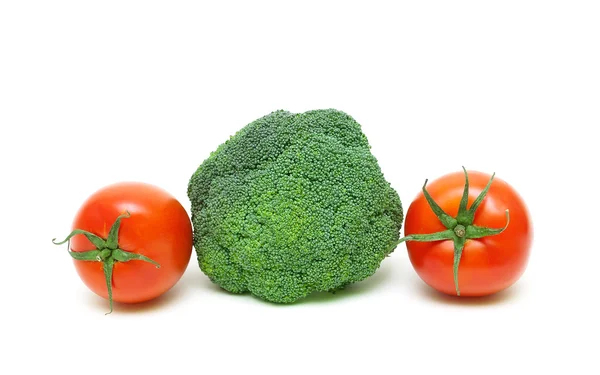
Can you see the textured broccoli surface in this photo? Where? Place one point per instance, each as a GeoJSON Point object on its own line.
{"type": "Point", "coordinates": [292, 204]}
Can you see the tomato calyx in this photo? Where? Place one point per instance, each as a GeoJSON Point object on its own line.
{"type": "Point", "coordinates": [106, 251]}
{"type": "Point", "coordinates": [459, 229]}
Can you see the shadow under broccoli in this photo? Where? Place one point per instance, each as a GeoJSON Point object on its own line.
{"type": "Point", "coordinates": [292, 204]}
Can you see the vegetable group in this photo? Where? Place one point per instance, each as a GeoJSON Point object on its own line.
{"type": "Point", "coordinates": [292, 204]}
{"type": "Point", "coordinates": [131, 242]}
{"type": "Point", "coordinates": [468, 234]}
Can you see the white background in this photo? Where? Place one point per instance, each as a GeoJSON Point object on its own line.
{"type": "Point", "coordinates": [97, 92]}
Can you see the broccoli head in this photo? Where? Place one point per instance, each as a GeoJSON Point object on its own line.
{"type": "Point", "coordinates": [292, 204]}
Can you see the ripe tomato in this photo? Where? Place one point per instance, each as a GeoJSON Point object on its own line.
{"type": "Point", "coordinates": [479, 249]}
{"type": "Point", "coordinates": [131, 242]}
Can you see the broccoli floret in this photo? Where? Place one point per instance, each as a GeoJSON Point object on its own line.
{"type": "Point", "coordinates": [292, 204]}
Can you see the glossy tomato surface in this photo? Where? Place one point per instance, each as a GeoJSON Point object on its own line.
{"type": "Point", "coordinates": [488, 265]}
{"type": "Point", "coordinates": [158, 228]}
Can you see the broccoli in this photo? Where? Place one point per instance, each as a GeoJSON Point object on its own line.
{"type": "Point", "coordinates": [292, 204]}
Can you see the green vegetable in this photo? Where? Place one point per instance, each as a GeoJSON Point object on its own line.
{"type": "Point", "coordinates": [292, 204]}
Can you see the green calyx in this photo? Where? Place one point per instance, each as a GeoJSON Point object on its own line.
{"type": "Point", "coordinates": [106, 251]}
{"type": "Point", "coordinates": [459, 229]}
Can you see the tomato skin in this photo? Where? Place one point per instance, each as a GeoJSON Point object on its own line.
{"type": "Point", "coordinates": [159, 228]}
{"type": "Point", "coordinates": [488, 265]}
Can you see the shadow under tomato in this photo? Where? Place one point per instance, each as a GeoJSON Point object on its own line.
{"type": "Point", "coordinates": [494, 299]}
{"type": "Point", "coordinates": [124, 308]}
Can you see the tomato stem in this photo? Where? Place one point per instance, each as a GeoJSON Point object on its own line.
{"type": "Point", "coordinates": [443, 235]}
{"type": "Point", "coordinates": [106, 251]}
{"type": "Point", "coordinates": [474, 231]}
{"type": "Point", "coordinates": [480, 198]}
{"type": "Point", "coordinates": [459, 229]}
{"type": "Point", "coordinates": [95, 240]}
{"type": "Point", "coordinates": [112, 242]}
{"type": "Point", "coordinates": [108, 266]}
{"type": "Point", "coordinates": [459, 245]}
{"type": "Point", "coordinates": [447, 220]}
{"type": "Point", "coordinates": [125, 256]}
{"type": "Point", "coordinates": [463, 214]}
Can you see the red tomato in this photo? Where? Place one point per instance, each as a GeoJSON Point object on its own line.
{"type": "Point", "coordinates": [486, 265]}
{"type": "Point", "coordinates": [150, 228]}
